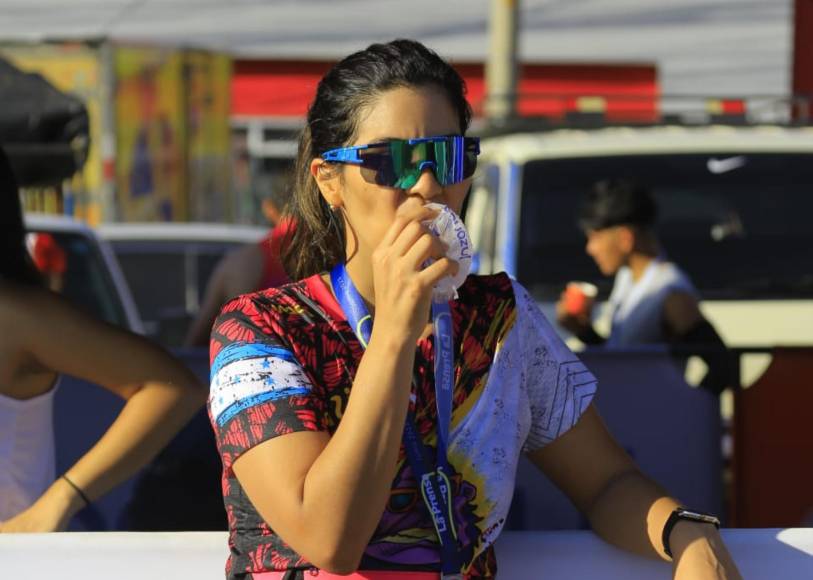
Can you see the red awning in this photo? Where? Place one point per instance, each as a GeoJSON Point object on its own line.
{"type": "Point", "coordinates": [267, 88]}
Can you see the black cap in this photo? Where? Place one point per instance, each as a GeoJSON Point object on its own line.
{"type": "Point", "coordinates": [616, 202]}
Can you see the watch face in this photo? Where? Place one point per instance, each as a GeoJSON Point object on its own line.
{"type": "Point", "coordinates": [698, 517]}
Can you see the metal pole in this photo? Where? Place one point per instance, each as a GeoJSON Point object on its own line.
{"type": "Point", "coordinates": [501, 62]}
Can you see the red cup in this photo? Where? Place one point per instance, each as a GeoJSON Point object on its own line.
{"type": "Point", "coordinates": [579, 298]}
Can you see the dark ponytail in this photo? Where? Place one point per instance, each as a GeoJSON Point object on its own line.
{"type": "Point", "coordinates": [317, 242]}
{"type": "Point", "coordinates": [15, 262]}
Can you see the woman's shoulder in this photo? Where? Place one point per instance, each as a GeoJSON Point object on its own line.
{"type": "Point", "coordinates": [480, 285]}
{"type": "Point", "coordinates": [269, 300]}
{"type": "Point", "coordinates": [271, 311]}
{"type": "Point", "coordinates": [20, 302]}
{"type": "Point", "coordinates": [673, 278]}
{"type": "Point", "coordinates": [489, 295]}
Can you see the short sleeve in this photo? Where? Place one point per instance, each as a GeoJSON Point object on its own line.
{"type": "Point", "coordinates": [258, 389]}
{"type": "Point", "coordinates": [559, 387]}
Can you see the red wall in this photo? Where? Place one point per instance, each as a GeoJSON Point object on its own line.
{"type": "Point", "coordinates": [275, 88]}
{"type": "Point", "coordinates": [285, 88]}
{"type": "Point", "coordinates": [803, 48]}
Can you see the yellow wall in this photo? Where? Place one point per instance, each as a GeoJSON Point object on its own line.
{"type": "Point", "coordinates": [170, 127]}
{"type": "Point", "coordinates": [150, 135]}
{"type": "Point", "coordinates": [208, 104]}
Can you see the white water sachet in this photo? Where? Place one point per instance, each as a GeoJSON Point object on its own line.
{"type": "Point", "coordinates": [449, 229]}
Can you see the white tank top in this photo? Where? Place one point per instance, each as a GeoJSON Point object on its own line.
{"type": "Point", "coordinates": [637, 306]}
{"type": "Point", "coordinates": [27, 459]}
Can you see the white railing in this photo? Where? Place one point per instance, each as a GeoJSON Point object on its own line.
{"type": "Point", "coordinates": [762, 554]}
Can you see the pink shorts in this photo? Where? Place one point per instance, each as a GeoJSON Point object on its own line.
{"type": "Point", "coordinates": [361, 575]}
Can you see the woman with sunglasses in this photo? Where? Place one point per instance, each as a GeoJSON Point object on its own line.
{"type": "Point", "coordinates": [365, 427]}
{"type": "Point", "coordinates": [42, 337]}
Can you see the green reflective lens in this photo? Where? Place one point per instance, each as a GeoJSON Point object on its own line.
{"type": "Point", "coordinates": [400, 162]}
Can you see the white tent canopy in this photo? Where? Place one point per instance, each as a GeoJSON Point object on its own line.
{"type": "Point", "coordinates": [700, 46]}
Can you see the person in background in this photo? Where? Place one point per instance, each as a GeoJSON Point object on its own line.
{"type": "Point", "coordinates": [653, 300]}
{"type": "Point", "coordinates": [44, 337]}
{"type": "Point", "coordinates": [345, 449]}
{"type": "Point", "coordinates": [247, 269]}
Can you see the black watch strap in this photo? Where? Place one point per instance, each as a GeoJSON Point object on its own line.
{"type": "Point", "coordinates": [688, 515]}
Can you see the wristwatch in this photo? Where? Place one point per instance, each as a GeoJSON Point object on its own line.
{"type": "Point", "coordinates": [685, 514]}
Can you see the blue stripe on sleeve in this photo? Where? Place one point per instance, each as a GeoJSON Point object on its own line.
{"type": "Point", "coordinates": [244, 350]}
{"type": "Point", "coordinates": [249, 402]}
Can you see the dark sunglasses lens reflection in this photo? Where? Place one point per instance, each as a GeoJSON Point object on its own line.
{"type": "Point", "coordinates": [400, 164]}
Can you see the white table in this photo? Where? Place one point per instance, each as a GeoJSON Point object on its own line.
{"type": "Point", "coordinates": [762, 554]}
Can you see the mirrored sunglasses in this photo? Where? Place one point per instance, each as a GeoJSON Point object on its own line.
{"type": "Point", "coordinates": [400, 162]}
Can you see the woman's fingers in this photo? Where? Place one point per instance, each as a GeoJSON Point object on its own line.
{"type": "Point", "coordinates": [410, 211]}
{"type": "Point", "coordinates": [407, 239]}
{"type": "Point", "coordinates": [425, 247]}
{"type": "Point", "coordinates": [437, 271]}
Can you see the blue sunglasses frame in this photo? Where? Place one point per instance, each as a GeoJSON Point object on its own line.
{"type": "Point", "coordinates": [459, 146]}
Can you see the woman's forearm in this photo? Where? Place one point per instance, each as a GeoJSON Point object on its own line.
{"type": "Point", "coordinates": [630, 513]}
{"type": "Point", "coordinates": [351, 478]}
{"type": "Point", "coordinates": [149, 419]}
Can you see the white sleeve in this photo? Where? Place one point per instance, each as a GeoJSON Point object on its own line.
{"type": "Point", "coordinates": [559, 387]}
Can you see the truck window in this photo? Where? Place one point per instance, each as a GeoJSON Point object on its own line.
{"type": "Point", "coordinates": [739, 224]}
{"type": "Point", "coordinates": [85, 280]}
{"type": "Point", "coordinates": [183, 268]}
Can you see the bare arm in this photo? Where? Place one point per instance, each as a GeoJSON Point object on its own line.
{"type": "Point", "coordinates": [687, 327]}
{"type": "Point", "coordinates": [161, 396]}
{"type": "Point", "coordinates": [625, 507]}
{"type": "Point", "coordinates": [349, 475]}
{"type": "Point", "coordinates": [237, 273]}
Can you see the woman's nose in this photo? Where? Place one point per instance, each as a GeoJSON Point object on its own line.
{"type": "Point", "coordinates": [427, 185]}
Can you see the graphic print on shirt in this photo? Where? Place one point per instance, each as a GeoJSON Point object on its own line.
{"type": "Point", "coordinates": [279, 365]}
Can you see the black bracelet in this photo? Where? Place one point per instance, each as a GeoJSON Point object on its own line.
{"type": "Point", "coordinates": [77, 489]}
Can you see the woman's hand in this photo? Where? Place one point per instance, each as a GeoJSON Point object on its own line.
{"type": "Point", "coordinates": [50, 513]}
{"type": "Point", "coordinates": [574, 323]}
{"type": "Point", "coordinates": [700, 554]}
{"type": "Point", "coordinates": [403, 287]}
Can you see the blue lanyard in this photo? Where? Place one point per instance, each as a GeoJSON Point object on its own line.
{"type": "Point", "coordinates": [436, 488]}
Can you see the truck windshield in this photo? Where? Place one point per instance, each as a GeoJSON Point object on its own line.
{"type": "Point", "coordinates": [739, 224]}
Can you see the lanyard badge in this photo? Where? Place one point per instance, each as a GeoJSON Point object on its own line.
{"type": "Point", "coordinates": [435, 486]}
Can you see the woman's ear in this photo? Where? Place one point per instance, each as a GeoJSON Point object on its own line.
{"type": "Point", "coordinates": [327, 179]}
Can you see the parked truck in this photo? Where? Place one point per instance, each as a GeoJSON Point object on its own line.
{"type": "Point", "coordinates": [734, 211]}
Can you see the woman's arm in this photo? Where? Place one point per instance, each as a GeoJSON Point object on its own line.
{"type": "Point", "coordinates": [161, 396]}
{"type": "Point", "coordinates": [625, 507]}
{"type": "Point", "coordinates": [328, 499]}
{"type": "Point", "coordinates": [238, 272]}
{"type": "Point", "coordinates": [686, 327]}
